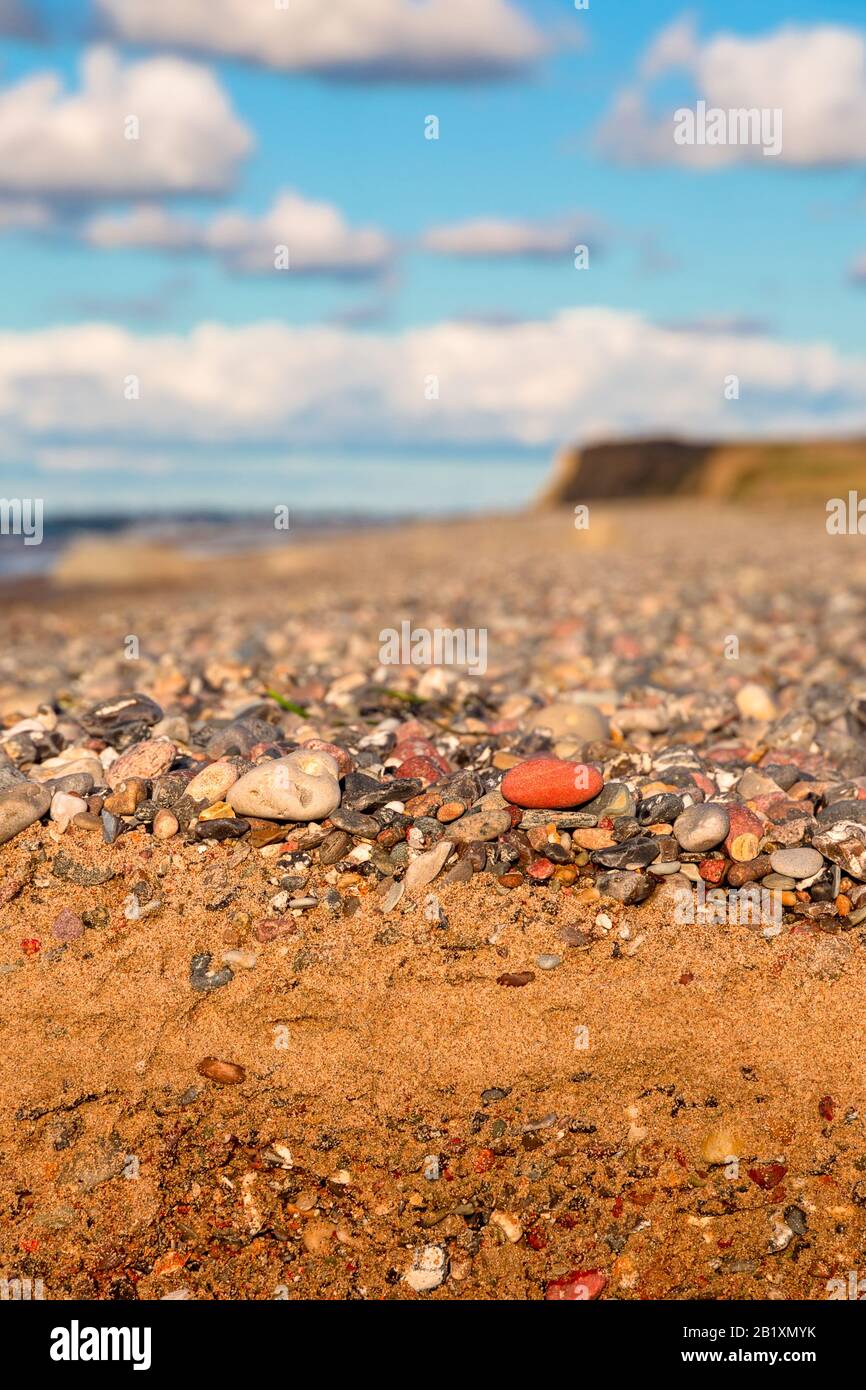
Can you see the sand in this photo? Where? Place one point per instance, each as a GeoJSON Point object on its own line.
{"type": "Point", "coordinates": [368, 1043]}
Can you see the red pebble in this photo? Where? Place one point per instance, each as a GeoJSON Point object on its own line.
{"type": "Point", "coordinates": [424, 769]}
{"type": "Point", "coordinates": [269, 928]}
{"type": "Point", "coordinates": [712, 870]}
{"type": "Point", "coordinates": [31, 945]}
{"type": "Point", "coordinates": [767, 1175]}
{"type": "Point", "coordinates": [540, 869]}
{"type": "Point", "coordinates": [551, 784]}
{"type": "Point", "coordinates": [742, 822]}
{"type": "Point", "coordinates": [421, 748]}
{"type": "Point", "coordinates": [827, 1108]}
{"type": "Point", "coordinates": [579, 1286]}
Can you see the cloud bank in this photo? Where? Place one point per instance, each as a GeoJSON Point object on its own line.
{"type": "Point", "coordinates": [585, 374]}
{"type": "Point", "coordinates": [354, 39]}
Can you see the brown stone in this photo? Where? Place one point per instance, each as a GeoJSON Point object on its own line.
{"type": "Point", "coordinates": [126, 798]}
{"type": "Point", "coordinates": [223, 1073]}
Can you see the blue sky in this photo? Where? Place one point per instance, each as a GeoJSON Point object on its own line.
{"type": "Point", "coordinates": [763, 249]}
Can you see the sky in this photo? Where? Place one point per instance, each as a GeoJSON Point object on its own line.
{"type": "Point", "coordinates": [236, 270]}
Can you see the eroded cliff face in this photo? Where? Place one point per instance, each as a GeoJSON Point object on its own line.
{"type": "Point", "coordinates": [784, 472]}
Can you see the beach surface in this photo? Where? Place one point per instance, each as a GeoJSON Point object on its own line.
{"type": "Point", "coordinates": [508, 1083]}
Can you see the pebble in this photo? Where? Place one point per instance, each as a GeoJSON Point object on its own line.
{"type": "Point", "coordinates": [749, 872]}
{"type": "Point", "coordinates": [64, 807]}
{"type": "Point", "coordinates": [165, 825]}
{"type": "Point", "coordinates": [551, 782]}
{"type": "Point", "coordinates": [429, 1268]}
{"type": "Point", "coordinates": [425, 868]}
{"type": "Point", "coordinates": [355, 823]}
{"type": "Point", "coordinates": [421, 769]}
{"type": "Point", "coordinates": [205, 980]}
{"type": "Point", "coordinates": [127, 798]}
{"type": "Point", "coordinates": [636, 853]}
{"type": "Point", "coordinates": [240, 960]}
{"type": "Point", "coordinates": [21, 805]}
{"type": "Point", "coordinates": [744, 833]}
{"type": "Point", "coordinates": [842, 811]}
{"type": "Point", "coordinates": [146, 760]}
{"type": "Point", "coordinates": [68, 926]}
{"type": "Point", "coordinates": [580, 1286]}
{"type": "Point", "coordinates": [548, 962]}
{"type": "Point", "coordinates": [479, 826]}
{"type": "Point", "coordinates": [76, 783]}
{"type": "Point", "coordinates": [797, 863]}
{"type": "Point", "coordinates": [303, 786]}
{"type": "Point", "coordinates": [701, 827]}
{"type": "Point", "coordinates": [508, 1225]}
{"type": "Point", "coordinates": [624, 887]}
{"type": "Point", "coordinates": [126, 716]}
{"type": "Point", "coordinates": [212, 783]}
{"type": "Point", "coordinates": [721, 1144]}
{"type": "Point", "coordinates": [393, 895]}
{"type": "Point", "coordinates": [223, 1073]}
{"type": "Point", "coordinates": [844, 842]}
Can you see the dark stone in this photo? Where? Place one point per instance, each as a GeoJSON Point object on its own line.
{"type": "Point", "coordinates": [625, 828]}
{"type": "Point", "coordinates": [665, 807]}
{"type": "Point", "coordinates": [66, 868]}
{"type": "Point", "coordinates": [796, 1219]}
{"type": "Point", "coordinates": [203, 979]}
{"type": "Point", "coordinates": [170, 787]}
{"type": "Point", "coordinates": [364, 793]}
{"type": "Point", "coordinates": [785, 774]}
{"type": "Point", "coordinates": [843, 810]}
{"type": "Point", "coordinates": [123, 720]}
{"type": "Point", "coordinates": [112, 826]}
{"type": "Point", "coordinates": [355, 823]}
{"type": "Point", "coordinates": [633, 854]}
{"type": "Point", "coordinates": [230, 828]}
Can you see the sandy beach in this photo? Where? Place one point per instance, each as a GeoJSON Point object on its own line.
{"type": "Point", "coordinates": [498, 1082]}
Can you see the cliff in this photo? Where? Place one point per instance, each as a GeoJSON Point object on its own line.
{"type": "Point", "coordinates": [791, 472]}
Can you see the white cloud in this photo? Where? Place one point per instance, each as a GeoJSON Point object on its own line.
{"type": "Point", "coordinates": [147, 226]}
{"type": "Point", "coordinates": [341, 38]}
{"type": "Point", "coordinates": [585, 374]}
{"type": "Point", "coordinates": [317, 235]}
{"type": "Point", "coordinates": [66, 144]}
{"type": "Point", "coordinates": [498, 238]}
{"type": "Point", "coordinates": [318, 238]}
{"type": "Point", "coordinates": [816, 75]}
